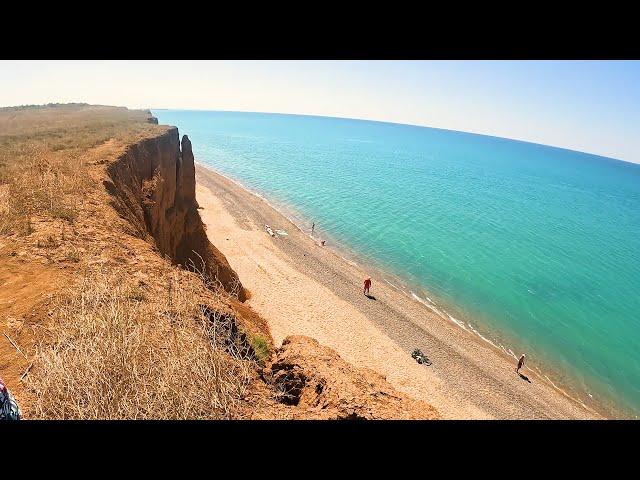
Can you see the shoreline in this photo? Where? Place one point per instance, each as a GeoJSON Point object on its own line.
{"type": "Point", "coordinates": [421, 318]}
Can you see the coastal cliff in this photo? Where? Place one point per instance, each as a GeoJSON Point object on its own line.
{"type": "Point", "coordinates": [153, 186]}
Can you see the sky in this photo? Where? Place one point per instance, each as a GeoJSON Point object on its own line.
{"type": "Point", "coordinates": [589, 106]}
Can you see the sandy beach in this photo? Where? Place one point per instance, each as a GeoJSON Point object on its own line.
{"type": "Point", "coordinates": [302, 288]}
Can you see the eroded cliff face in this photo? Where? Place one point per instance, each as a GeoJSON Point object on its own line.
{"type": "Point", "coordinates": [153, 185]}
{"type": "Point", "coordinates": [322, 385]}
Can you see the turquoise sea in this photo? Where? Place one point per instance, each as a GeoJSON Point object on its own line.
{"type": "Point", "coordinates": [535, 248]}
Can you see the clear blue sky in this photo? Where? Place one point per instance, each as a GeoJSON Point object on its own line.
{"type": "Point", "coordinates": [583, 105]}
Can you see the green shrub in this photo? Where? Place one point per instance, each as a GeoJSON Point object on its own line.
{"type": "Point", "coordinates": [261, 348]}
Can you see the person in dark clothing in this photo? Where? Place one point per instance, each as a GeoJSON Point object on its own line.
{"type": "Point", "coordinates": [520, 363]}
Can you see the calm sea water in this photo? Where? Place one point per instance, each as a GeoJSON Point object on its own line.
{"type": "Point", "coordinates": [535, 247]}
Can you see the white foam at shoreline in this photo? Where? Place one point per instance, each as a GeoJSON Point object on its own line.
{"type": "Point", "coordinates": [391, 284]}
{"type": "Point", "coordinates": [480, 335]}
{"type": "Point", "coordinates": [432, 306]}
{"type": "Point", "coordinates": [567, 395]}
{"type": "Point", "coordinates": [350, 262]}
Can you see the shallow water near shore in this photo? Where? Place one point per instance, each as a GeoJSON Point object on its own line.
{"type": "Point", "coordinates": [534, 247]}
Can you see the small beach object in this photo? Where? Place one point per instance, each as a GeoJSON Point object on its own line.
{"type": "Point", "coordinates": [420, 357]}
{"type": "Point", "coordinates": [269, 231]}
{"type": "Point", "coordinates": [281, 232]}
{"type": "Point", "coordinates": [322, 243]}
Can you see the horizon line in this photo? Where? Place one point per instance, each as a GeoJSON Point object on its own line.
{"type": "Point", "coordinates": [404, 124]}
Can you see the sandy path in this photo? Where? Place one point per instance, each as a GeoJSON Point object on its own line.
{"type": "Point", "coordinates": [302, 288]}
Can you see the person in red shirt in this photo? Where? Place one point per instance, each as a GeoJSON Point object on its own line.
{"type": "Point", "coordinates": [367, 285]}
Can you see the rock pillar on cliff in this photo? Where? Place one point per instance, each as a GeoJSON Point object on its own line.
{"type": "Point", "coordinates": [188, 171]}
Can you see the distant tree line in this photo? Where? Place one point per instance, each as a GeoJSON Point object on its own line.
{"type": "Point", "coordinates": [24, 107]}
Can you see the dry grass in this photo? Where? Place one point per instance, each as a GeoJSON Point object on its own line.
{"type": "Point", "coordinates": [120, 353]}
{"type": "Point", "coordinates": [66, 127]}
{"type": "Point", "coordinates": [42, 159]}
{"type": "Point", "coordinates": [38, 182]}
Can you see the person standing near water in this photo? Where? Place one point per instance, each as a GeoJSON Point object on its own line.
{"type": "Point", "coordinates": [313, 228]}
{"type": "Point", "coordinates": [520, 363]}
{"type": "Point", "coordinates": [367, 285]}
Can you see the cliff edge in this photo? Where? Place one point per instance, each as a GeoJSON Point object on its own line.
{"type": "Point", "coordinates": [153, 186]}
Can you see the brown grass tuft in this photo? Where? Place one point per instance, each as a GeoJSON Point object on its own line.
{"type": "Point", "coordinates": [38, 182]}
{"type": "Point", "coordinates": [116, 352]}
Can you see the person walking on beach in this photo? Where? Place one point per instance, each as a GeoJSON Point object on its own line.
{"type": "Point", "coordinates": [367, 285]}
{"type": "Point", "coordinates": [520, 363]}
{"type": "Point", "coordinates": [313, 228]}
